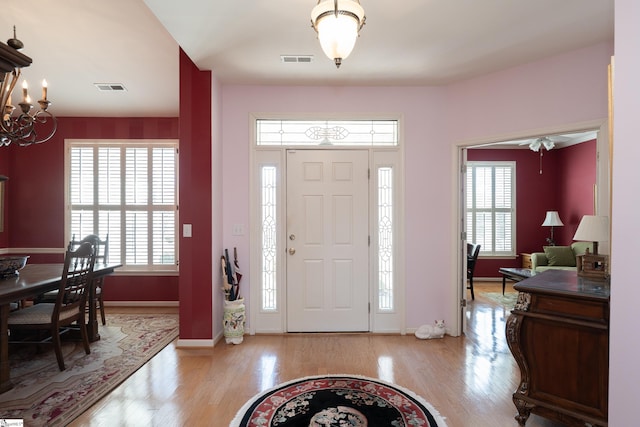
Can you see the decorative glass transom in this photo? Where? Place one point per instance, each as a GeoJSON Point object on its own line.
{"type": "Point", "coordinates": [365, 133]}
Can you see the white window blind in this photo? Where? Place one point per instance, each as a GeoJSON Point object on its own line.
{"type": "Point", "coordinates": [128, 191]}
{"type": "Point", "coordinates": [490, 190]}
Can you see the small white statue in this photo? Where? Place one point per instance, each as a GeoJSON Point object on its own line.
{"type": "Point", "coordinates": [426, 332]}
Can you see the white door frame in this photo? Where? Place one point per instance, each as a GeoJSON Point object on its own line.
{"type": "Point", "coordinates": [274, 321]}
{"type": "Point", "coordinates": [602, 197]}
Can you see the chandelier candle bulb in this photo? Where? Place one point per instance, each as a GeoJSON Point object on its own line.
{"type": "Point", "coordinates": [44, 89]}
{"type": "Point", "coordinates": [25, 94]}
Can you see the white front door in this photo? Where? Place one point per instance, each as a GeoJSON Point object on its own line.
{"type": "Point", "coordinates": [327, 241]}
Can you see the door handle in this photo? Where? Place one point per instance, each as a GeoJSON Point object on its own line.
{"type": "Point", "coordinates": [292, 251]}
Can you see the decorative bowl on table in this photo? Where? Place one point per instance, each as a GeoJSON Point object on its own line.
{"type": "Point", "coordinates": [9, 265]}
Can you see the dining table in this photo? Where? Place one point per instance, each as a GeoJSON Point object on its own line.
{"type": "Point", "coordinates": [29, 282]}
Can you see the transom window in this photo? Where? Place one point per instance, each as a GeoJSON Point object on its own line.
{"type": "Point", "coordinates": [128, 191]}
{"type": "Point", "coordinates": [490, 206]}
{"type": "Point", "coordinates": [347, 133]}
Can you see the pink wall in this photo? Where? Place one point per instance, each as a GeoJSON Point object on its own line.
{"type": "Point", "coordinates": [625, 293]}
{"type": "Point", "coordinates": [566, 185]}
{"type": "Point", "coordinates": [423, 135]}
{"type": "Point", "coordinates": [533, 96]}
{"type": "Point", "coordinates": [560, 90]}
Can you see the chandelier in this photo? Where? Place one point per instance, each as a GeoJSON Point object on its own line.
{"type": "Point", "coordinates": [337, 23]}
{"type": "Point", "coordinates": [25, 127]}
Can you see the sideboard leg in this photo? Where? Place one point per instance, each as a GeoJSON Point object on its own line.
{"type": "Point", "coordinates": [524, 410]}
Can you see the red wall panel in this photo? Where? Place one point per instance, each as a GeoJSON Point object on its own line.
{"type": "Point", "coordinates": [578, 180]}
{"type": "Point", "coordinates": [195, 201]}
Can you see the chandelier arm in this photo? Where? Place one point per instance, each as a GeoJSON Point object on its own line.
{"type": "Point", "coordinates": [29, 126]}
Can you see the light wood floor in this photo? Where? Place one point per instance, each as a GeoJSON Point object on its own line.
{"type": "Point", "coordinates": [468, 379]}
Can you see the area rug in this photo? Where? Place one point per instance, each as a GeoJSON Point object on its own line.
{"type": "Point", "coordinates": [337, 400]}
{"type": "Point", "coordinates": [508, 300]}
{"type": "Point", "coordinates": [45, 396]}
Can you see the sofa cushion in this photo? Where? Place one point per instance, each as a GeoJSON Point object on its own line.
{"type": "Point", "coordinates": [579, 248]}
{"type": "Point", "coordinates": [560, 255]}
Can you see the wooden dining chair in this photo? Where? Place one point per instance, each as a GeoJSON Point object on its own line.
{"type": "Point", "coordinates": [68, 309]}
{"type": "Point", "coordinates": [101, 248]}
{"type": "Point", "coordinates": [472, 258]}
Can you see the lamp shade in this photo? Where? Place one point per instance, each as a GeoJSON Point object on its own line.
{"type": "Point", "coordinates": [337, 23]}
{"type": "Point", "coordinates": [593, 228]}
{"type": "Point", "coordinates": [552, 220]}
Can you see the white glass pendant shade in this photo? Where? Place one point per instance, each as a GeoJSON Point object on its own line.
{"type": "Point", "coordinates": [337, 23]}
{"type": "Point", "coordinates": [337, 35]}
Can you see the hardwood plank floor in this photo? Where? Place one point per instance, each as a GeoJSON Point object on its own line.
{"type": "Point", "coordinates": [468, 379]}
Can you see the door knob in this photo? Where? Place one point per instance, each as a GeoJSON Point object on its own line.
{"type": "Point", "coordinates": [292, 251]}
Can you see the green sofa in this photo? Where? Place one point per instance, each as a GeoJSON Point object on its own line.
{"type": "Point", "coordinates": [559, 257]}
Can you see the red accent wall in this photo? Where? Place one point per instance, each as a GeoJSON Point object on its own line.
{"type": "Point", "coordinates": [195, 201]}
{"type": "Point", "coordinates": [566, 185]}
{"type": "Point", "coordinates": [35, 196]}
{"type": "Point", "coordinates": [578, 179]}
{"type": "Point", "coordinates": [34, 210]}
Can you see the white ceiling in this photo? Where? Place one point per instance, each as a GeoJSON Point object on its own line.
{"type": "Point", "coordinates": [76, 43]}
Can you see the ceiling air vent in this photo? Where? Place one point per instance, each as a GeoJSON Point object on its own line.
{"type": "Point", "coordinates": [305, 59]}
{"type": "Point", "coordinates": [110, 87]}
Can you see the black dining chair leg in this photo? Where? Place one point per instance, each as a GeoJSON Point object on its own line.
{"type": "Point", "coordinates": [84, 334]}
{"type": "Point", "coordinates": [101, 303]}
{"type": "Point", "coordinates": [57, 346]}
{"type": "Point", "coordinates": [473, 297]}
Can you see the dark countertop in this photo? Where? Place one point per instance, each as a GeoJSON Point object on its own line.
{"type": "Point", "coordinates": [565, 283]}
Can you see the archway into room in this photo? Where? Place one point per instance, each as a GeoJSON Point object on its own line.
{"type": "Point", "coordinates": [599, 197]}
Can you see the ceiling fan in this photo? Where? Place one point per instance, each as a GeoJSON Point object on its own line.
{"type": "Point", "coordinates": [548, 142]}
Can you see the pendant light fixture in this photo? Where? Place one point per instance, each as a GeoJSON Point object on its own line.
{"type": "Point", "coordinates": [338, 23]}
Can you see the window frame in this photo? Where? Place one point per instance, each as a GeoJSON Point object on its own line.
{"type": "Point", "coordinates": [136, 269]}
{"type": "Point", "coordinates": [471, 210]}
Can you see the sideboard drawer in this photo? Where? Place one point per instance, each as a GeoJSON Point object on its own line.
{"type": "Point", "coordinates": [594, 311]}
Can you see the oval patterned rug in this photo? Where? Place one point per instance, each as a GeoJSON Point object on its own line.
{"type": "Point", "coordinates": [337, 400]}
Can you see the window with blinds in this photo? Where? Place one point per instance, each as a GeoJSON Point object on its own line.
{"type": "Point", "coordinates": [490, 221]}
{"type": "Point", "coordinates": [128, 191]}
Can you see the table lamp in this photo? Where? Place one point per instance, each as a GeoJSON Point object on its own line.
{"type": "Point", "coordinates": [594, 229]}
{"type": "Point", "coordinates": [552, 220]}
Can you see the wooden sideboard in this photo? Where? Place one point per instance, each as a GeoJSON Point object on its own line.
{"type": "Point", "coordinates": [558, 332]}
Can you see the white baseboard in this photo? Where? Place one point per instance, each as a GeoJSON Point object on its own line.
{"type": "Point", "coordinates": [200, 343]}
{"type": "Point", "coordinates": [141, 304]}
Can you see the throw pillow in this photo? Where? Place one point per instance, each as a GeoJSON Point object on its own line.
{"type": "Point", "coordinates": [560, 256]}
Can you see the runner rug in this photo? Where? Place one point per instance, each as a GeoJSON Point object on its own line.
{"type": "Point", "coordinates": [337, 400]}
{"type": "Point", "coordinates": [45, 396]}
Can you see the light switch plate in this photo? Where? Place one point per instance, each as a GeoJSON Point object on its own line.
{"type": "Point", "coordinates": [186, 230]}
{"type": "Point", "coordinates": [238, 230]}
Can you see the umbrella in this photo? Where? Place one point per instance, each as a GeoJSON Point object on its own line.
{"type": "Point", "coordinates": [233, 295]}
{"type": "Point", "coordinates": [237, 276]}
